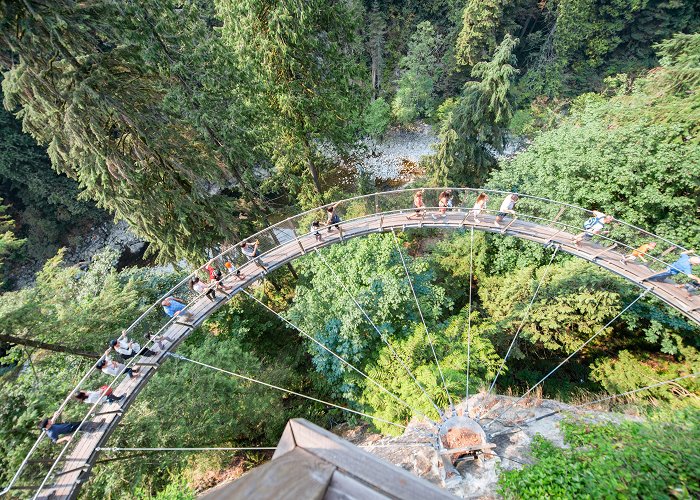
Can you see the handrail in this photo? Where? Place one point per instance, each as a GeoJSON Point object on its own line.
{"type": "Point", "coordinates": [383, 193]}
{"type": "Point", "coordinates": [285, 224]}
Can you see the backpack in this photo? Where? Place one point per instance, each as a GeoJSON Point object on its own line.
{"type": "Point", "coordinates": [591, 222]}
{"type": "Point", "coordinates": [335, 218]}
{"type": "Point", "coordinates": [106, 390]}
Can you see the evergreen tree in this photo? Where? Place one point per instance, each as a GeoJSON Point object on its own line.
{"type": "Point", "coordinates": [477, 123]}
{"type": "Point", "coordinates": [214, 98]}
{"type": "Point", "coordinates": [8, 242]}
{"type": "Point", "coordinates": [477, 38]}
{"type": "Point", "coordinates": [680, 57]}
{"type": "Point", "coordinates": [300, 56]}
{"type": "Point", "coordinates": [415, 95]}
{"type": "Point", "coordinates": [377, 119]}
{"type": "Point", "coordinates": [85, 89]}
{"type": "Point", "coordinates": [376, 25]}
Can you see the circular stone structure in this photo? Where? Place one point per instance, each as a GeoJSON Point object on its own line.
{"type": "Point", "coordinates": [463, 435]}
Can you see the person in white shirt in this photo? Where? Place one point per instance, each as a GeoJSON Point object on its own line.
{"type": "Point", "coordinates": [91, 397]}
{"type": "Point", "coordinates": [114, 368]}
{"type": "Point", "coordinates": [506, 208]}
{"type": "Point", "coordinates": [593, 225]}
{"type": "Point", "coordinates": [199, 287]}
{"type": "Point", "coordinates": [127, 348]}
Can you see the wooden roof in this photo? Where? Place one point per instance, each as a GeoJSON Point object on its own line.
{"type": "Point", "coordinates": [312, 463]}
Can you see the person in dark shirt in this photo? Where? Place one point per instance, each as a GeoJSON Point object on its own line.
{"type": "Point", "coordinates": [55, 429]}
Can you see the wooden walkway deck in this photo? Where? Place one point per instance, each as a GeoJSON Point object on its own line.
{"type": "Point", "coordinates": [83, 456]}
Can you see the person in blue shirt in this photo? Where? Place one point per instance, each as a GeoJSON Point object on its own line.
{"type": "Point", "coordinates": [683, 265]}
{"type": "Point", "coordinates": [54, 429]}
{"type": "Point", "coordinates": [173, 306]}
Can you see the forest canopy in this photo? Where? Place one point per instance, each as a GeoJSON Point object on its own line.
{"type": "Point", "coordinates": [201, 123]}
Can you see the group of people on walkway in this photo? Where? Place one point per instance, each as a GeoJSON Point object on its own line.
{"type": "Point", "coordinates": [445, 204]}
{"type": "Point", "coordinates": [175, 307]}
{"type": "Point", "coordinates": [593, 226]}
{"type": "Point", "coordinates": [126, 349]}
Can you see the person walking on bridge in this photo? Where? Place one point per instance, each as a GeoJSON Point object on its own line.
{"type": "Point", "coordinates": [333, 219]}
{"type": "Point", "coordinates": [250, 250]}
{"type": "Point", "coordinates": [683, 265]}
{"type": "Point", "coordinates": [593, 226]}
{"type": "Point", "coordinates": [231, 269]}
{"type": "Point", "coordinates": [55, 429]}
{"type": "Point", "coordinates": [444, 202]}
{"type": "Point", "coordinates": [507, 207]}
{"type": "Point", "coordinates": [315, 228]}
{"type": "Point", "coordinates": [479, 206]}
{"type": "Point", "coordinates": [639, 252]}
{"type": "Point", "coordinates": [110, 367]}
{"type": "Point", "coordinates": [92, 397]}
{"type": "Point", "coordinates": [174, 306]}
{"type": "Point", "coordinates": [128, 348]}
{"type": "Point", "coordinates": [419, 206]}
{"type": "Point", "coordinates": [199, 287]}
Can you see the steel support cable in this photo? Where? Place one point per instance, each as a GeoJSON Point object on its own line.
{"type": "Point", "coordinates": [523, 320]}
{"type": "Point", "coordinates": [340, 358]}
{"type": "Point", "coordinates": [250, 379]}
{"type": "Point", "coordinates": [420, 312]}
{"type": "Point", "coordinates": [89, 413]}
{"type": "Point", "coordinates": [607, 398]}
{"type": "Point", "coordinates": [381, 335]}
{"type": "Point", "coordinates": [254, 448]}
{"type": "Point", "coordinates": [601, 330]}
{"type": "Point", "coordinates": [469, 314]}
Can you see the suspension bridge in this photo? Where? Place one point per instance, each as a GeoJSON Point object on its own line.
{"type": "Point", "coordinates": [540, 220]}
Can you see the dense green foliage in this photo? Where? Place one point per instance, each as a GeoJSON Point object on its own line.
{"type": "Point", "coordinates": [8, 242]}
{"type": "Point", "coordinates": [197, 123]}
{"type": "Point", "coordinates": [640, 149]}
{"type": "Point", "coordinates": [415, 94]}
{"type": "Point", "coordinates": [44, 204]}
{"type": "Point", "coordinates": [74, 309]}
{"type": "Point", "coordinates": [650, 459]}
{"type": "Point", "coordinates": [477, 122]}
{"type": "Point", "coordinates": [281, 46]}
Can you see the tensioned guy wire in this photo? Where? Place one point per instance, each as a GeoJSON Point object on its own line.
{"type": "Point", "coordinates": [420, 312]}
{"type": "Point", "coordinates": [381, 335]}
{"type": "Point", "coordinates": [523, 320]}
{"type": "Point", "coordinates": [469, 314]}
{"type": "Point", "coordinates": [377, 384]}
{"type": "Point", "coordinates": [639, 297]}
{"type": "Point", "coordinates": [250, 379]}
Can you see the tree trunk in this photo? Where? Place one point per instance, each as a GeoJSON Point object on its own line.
{"type": "Point", "coordinates": [11, 339]}
{"type": "Point", "coordinates": [375, 75]}
{"type": "Point", "coordinates": [312, 167]}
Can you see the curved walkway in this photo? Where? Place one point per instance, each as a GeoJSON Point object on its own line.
{"type": "Point", "coordinates": [76, 463]}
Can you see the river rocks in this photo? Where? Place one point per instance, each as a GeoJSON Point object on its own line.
{"type": "Point", "coordinates": [395, 158]}
{"type": "Point", "coordinates": [109, 235]}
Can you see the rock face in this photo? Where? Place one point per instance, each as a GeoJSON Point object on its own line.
{"type": "Point", "coordinates": [512, 435]}
{"type": "Point", "coordinates": [109, 235]}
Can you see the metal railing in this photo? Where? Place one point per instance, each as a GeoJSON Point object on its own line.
{"type": "Point", "coordinates": [562, 216]}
